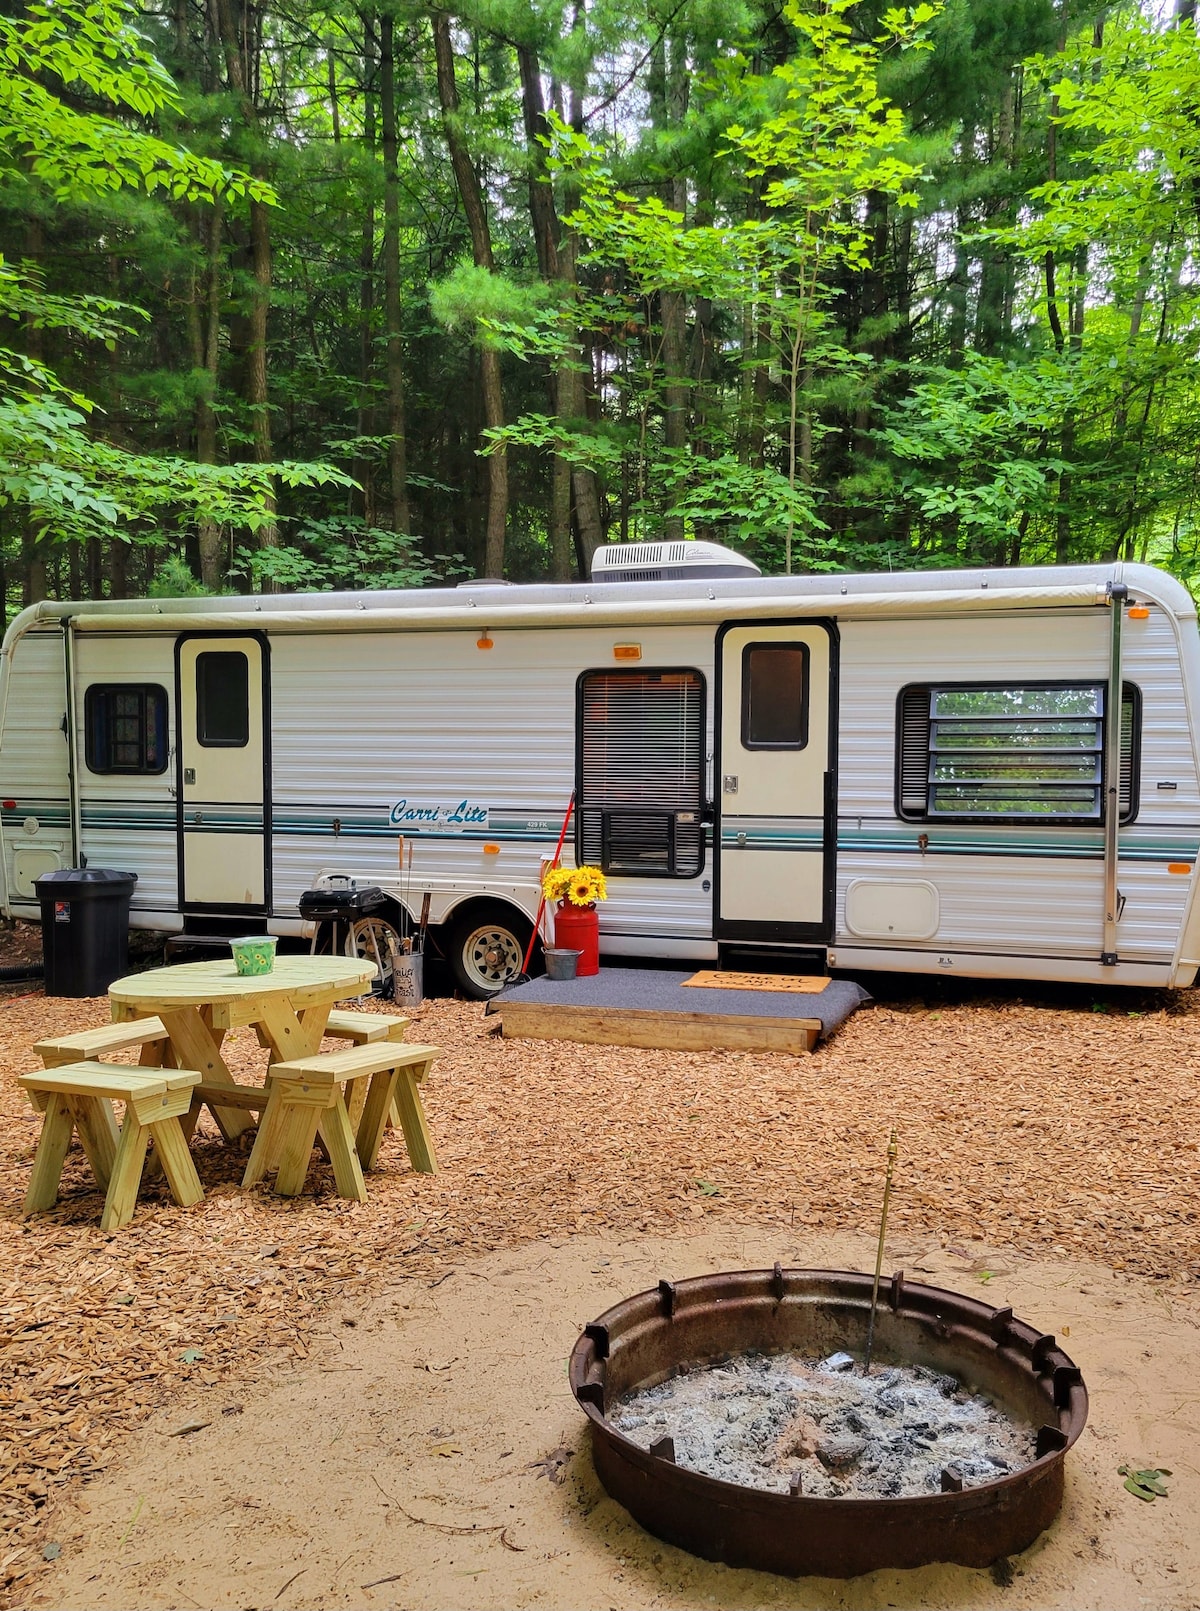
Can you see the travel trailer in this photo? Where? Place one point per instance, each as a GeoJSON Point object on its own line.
{"type": "Point", "coordinates": [986, 773]}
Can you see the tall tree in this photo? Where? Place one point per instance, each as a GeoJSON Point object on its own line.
{"type": "Point", "coordinates": [475, 208]}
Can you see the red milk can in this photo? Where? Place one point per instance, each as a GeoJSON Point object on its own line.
{"type": "Point", "coordinates": [577, 928]}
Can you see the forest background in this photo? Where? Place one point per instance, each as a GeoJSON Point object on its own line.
{"type": "Point", "coordinates": [311, 294]}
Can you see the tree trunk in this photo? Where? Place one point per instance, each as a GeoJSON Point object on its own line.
{"type": "Point", "coordinates": [668, 107]}
{"type": "Point", "coordinates": [240, 64]}
{"type": "Point", "coordinates": [397, 447]}
{"type": "Point", "coordinates": [364, 461]}
{"type": "Point", "coordinates": [556, 258]}
{"type": "Point", "coordinates": [33, 547]}
{"type": "Point", "coordinates": [475, 209]}
{"type": "Point", "coordinates": [203, 313]}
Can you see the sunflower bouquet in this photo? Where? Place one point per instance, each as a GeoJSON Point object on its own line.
{"type": "Point", "coordinates": [577, 886]}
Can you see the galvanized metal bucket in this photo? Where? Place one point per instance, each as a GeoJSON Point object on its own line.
{"type": "Point", "coordinates": [560, 963]}
{"type": "Point", "coordinates": [408, 978]}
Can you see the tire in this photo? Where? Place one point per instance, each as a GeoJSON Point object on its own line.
{"type": "Point", "coordinates": [367, 937]}
{"type": "Point", "coordinates": [485, 949]}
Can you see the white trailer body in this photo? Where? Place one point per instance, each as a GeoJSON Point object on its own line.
{"type": "Point", "coordinates": [922, 772]}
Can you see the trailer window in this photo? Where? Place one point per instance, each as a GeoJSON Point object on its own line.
{"type": "Point", "coordinates": [125, 727]}
{"type": "Point", "coordinates": [223, 699]}
{"type": "Point", "coordinates": [775, 696]}
{"type": "Point", "coordinates": [1003, 753]}
{"type": "Point", "coordinates": [640, 783]}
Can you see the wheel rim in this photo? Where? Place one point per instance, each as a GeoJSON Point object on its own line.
{"type": "Point", "coordinates": [368, 939]}
{"type": "Point", "coordinates": [491, 956]}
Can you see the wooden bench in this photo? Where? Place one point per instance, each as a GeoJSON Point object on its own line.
{"type": "Point", "coordinates": [305, 1095]}
{"type": "Point", "coordinates": [365, 1027]}
{"type": "Point", "coordinates": [85, 1044]}
{"type": "Point", "coordinates": [79, 1096]}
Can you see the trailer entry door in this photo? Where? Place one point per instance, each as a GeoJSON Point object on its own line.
{"type": "Point", "coordinates": [221, 773]}
{"type": "Point", "coordinates": [775, 827]}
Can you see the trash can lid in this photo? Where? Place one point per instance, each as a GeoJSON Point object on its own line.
{"type": "Point", "coordinates": [64, 877]}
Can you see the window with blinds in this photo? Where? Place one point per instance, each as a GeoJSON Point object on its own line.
{"type": "Point", "coordinates": [1025, 754]}
{"type": "Point", "coordinates": [640, 788]}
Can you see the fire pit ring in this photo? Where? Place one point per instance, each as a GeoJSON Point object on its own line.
{"type": "Point", "coordinates": [648, 1338]}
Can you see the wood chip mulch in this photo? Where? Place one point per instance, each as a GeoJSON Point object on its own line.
{"type": "Point", "coordinates": [1040, 1127]}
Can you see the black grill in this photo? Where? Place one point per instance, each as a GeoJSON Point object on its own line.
{"type": "Point", "coordinates": [341, 903]}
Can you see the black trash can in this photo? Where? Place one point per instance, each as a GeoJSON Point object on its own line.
{"type": "Point", "coordinates": [85, 928]}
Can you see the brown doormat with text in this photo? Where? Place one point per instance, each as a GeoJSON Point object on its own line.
{"type": "Point", "coordinates": [797, 983]}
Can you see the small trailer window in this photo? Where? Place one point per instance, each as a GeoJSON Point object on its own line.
{"type": "Point", "coordinates": [223, 699]}
{"type": "Point", "coordinates": [775, 696]}
{"type": "Point", "coordinates": [640, 774]}
{"type": "Point", "coordinates": [1026, 754]}
{"type": "Point", "coordinates": [125, 727]}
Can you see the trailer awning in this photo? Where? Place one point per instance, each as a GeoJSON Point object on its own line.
{"type": "Point", "coordinates": [595, 608]}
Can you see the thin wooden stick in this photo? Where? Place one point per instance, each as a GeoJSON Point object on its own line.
{"type": "Point", "coordinates": [887, 1192]}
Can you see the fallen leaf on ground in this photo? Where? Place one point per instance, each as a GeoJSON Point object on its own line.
{"type": "Point", "coordinates": [553, 1465]}
{"type": "Point", "coordinates": [187, 1426]}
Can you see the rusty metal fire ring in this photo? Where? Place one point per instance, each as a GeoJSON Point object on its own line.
{"type": "Point", "coordinates": [650, 1337]}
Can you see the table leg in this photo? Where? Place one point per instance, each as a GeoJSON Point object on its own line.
{"type": "Point", "coordinates": [263, 1149]}
{"type": "Point", "coordinates": [286, 1034]}
{"type": "Point", "coordinates": [291, 1034]}
{"type": "Point", "coordinates": [196, 1044]}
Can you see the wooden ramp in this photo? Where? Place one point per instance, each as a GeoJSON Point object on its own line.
{"type": "Point", "coordinates": [668, 1010]}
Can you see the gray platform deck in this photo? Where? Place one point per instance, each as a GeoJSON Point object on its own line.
{"type": "Point", "coordinates": [654, 1008]}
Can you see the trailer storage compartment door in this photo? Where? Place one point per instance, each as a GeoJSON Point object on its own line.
{"type": "Point", "coordinates": [774, 768]}
{"type": "Point", "coordinates": [223, 801]}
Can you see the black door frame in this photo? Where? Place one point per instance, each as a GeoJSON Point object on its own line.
{"type": "Point", "coordinates": [184, 904]}
{"type": "Point", "coordinates": [770, 932]}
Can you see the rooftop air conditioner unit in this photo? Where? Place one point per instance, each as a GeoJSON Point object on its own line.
{"type": "Point", "coordinates": [669, 562]}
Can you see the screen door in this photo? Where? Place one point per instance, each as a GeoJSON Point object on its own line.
{"type": "Point", "coordinates": [776, 832]}
{"type": "Point", "coordinates": [222, 773]}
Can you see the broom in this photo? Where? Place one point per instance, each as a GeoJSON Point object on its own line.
{"type": "Point", "coordinates": [523, 976]}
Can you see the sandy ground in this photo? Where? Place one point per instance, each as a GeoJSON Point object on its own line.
{"type": "Point", "coordinates": [398, 1464]}
{"type": "Point", "coordinates": [1040, 1130]}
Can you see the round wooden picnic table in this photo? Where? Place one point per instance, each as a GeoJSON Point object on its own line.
{"type": "Point", "coordinates": [199, 1002]}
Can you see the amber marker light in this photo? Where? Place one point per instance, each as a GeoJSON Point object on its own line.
{"type": "Point", "coordinates": [486, 641]}
{"type": "Point", "coordinates": [1179, 866]}
{"type": "Point", "coordinates": [1138, 612]}
{"type": "Point", "coordinates": [627, 651]}
{"type": "Point", "coordinates": [491, 850]}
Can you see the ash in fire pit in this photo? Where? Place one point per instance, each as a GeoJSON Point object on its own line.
{"type": "Point", "coordinates": [763, 1421]}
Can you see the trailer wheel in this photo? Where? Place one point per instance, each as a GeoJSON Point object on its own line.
{"type": "Point", "coordinates": [485, 949]}
{"type": "Point", "coordinates": [368, 938]}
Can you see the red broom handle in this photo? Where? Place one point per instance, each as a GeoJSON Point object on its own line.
{"type": "Point", "coordinates": [542, 903]}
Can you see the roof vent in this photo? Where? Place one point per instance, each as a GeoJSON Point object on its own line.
{"type": "Point", "coordinates": [669, 562]}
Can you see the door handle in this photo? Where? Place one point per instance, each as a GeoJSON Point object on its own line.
{"type": "Point", "coordinates": [729, 783]}
{"type": "Point", "coordinates": [189, 774]}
